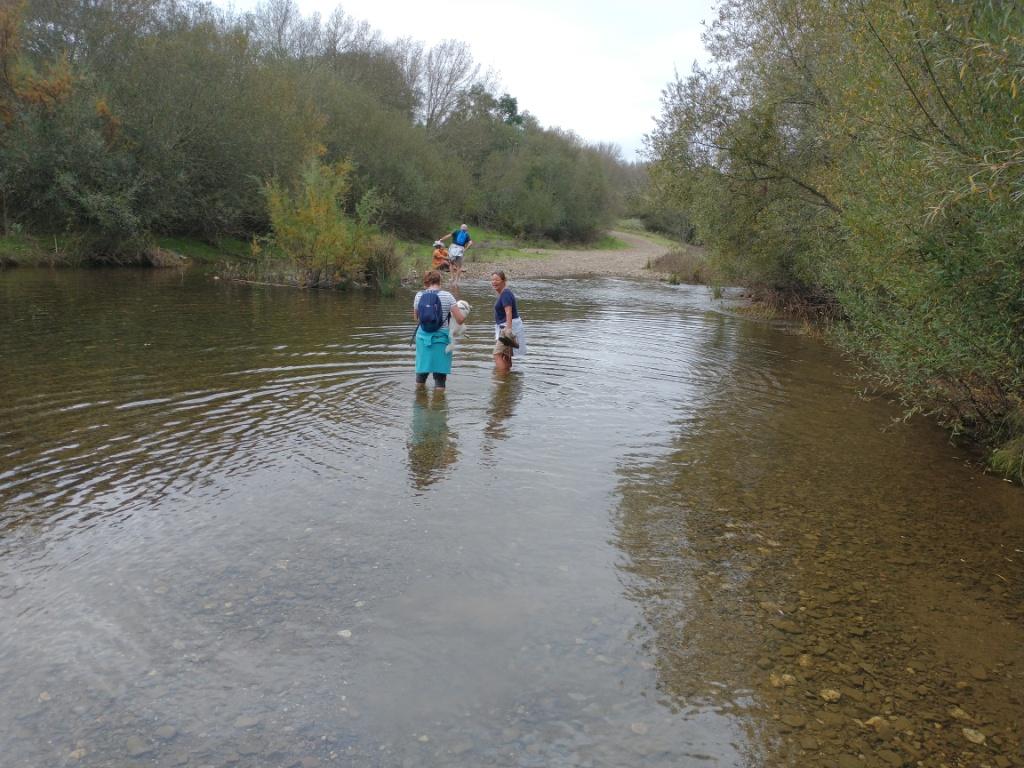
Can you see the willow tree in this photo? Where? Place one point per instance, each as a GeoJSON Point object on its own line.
{"type": "Point", "coordinates": [873, 151]}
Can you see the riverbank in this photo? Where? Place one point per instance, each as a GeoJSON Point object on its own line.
{"type": "Point", "coordinates": [72, 250]}
{"type": "Point", "coordinates": [633, 261]}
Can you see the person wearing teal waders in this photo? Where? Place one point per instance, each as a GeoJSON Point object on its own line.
{"type": "Point", "coordinates": [461, 241]}
{"type": "Point", "coordinates": [432, 309]}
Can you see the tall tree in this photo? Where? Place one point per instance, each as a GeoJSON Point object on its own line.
{"type": "Point", "coordinates": [448, 71]}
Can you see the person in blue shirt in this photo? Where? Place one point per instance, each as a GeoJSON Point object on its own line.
{"type": "Point", "coordinates": [461, 241]}
{"type": "Point", "coordinates": [509, 332]}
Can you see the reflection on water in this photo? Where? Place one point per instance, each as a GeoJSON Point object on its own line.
{"type": "Point", "coordinates": [432, 447]}
{"type": "Point", "coordinates": [857, 613]}
{"type": "Point", "coordinates": [505, 394]}
{"type": "Point", "coordinates": [232, 535]}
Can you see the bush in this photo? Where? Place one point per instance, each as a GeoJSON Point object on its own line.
{"type": "Point", "coordinates": [684, 265]}
{"type": "Point", "coordinates": [384, 265]}
{"type": "Point", "coordinates": [310, 227]}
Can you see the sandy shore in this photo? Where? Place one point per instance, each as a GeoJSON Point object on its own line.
{"type": "Point", "coordinates": [631, 262]}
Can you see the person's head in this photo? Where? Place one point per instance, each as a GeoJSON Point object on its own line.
{"type": "Point", "coordinates": [432, 277]}
{"type": "Point", "coordinates": [438, 244]}
{"type": "Point", "coordinates": [464, 228]}
{"type": "Point", "coordinates": [498, 281]}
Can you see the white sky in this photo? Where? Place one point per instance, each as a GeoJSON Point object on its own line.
{"type": "Point", "coordinates": [596, 67]}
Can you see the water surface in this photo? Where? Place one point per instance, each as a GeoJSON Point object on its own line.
{"type": "Point", "coordinates": [232, 534]}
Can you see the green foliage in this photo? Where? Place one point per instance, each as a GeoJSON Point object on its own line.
{"type": "Point", "coordinates": [383, 265]}
{"type": "Point", "coordinates": [122, 121]}
{"type": "Point", "coordinates": [310, 226]}
{"type": "Point", "coordinates": [608, 243]}
{"type": "Point", "coordinates": [551, 187]}
{"type": "Point", "coordinates": [684, 265]}
{"type": "Point", "coordinates": [406, 172]}
{"type": "Point", "coordinates": [324, 245]}
{"type": "Point", "coordinates": [872, 153]}
{"type": "Point", "coordinates": [204, 151]}
{"type": "Point", "coordinates": [1008, 458]}
{"type": "Point", "coordinates": [205, 252]}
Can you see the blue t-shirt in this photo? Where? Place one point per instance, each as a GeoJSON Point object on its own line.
{"type": "Point", "coordinates": [505, 299]}
{"type": "Point", "coordinates": [459, 237]}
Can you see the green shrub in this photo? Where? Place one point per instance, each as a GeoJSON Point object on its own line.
{"type": "Point", "coordinates": [684, 265]}
{"type": "Point", "coordinates": [384, 265]}
{"type": "Point", "coordinates": [311, 229]}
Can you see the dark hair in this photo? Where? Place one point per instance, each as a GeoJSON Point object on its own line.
{"type": "Point", "coordinates": [432, 277]}
{"type": "Point", "coordinates": [501, 275]}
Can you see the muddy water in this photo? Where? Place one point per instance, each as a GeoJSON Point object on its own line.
{"type": "Point", "coordinates": [232, 535]}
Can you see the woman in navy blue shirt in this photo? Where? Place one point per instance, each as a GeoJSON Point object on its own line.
{"type": "Point", "coordinates": [509, 332]}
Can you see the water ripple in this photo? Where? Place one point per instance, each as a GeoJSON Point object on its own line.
{"type": "Point", "coordinates": [176, 415]}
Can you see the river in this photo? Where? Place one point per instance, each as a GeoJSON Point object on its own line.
{"type": "Point", "coordinates": [231, 534]}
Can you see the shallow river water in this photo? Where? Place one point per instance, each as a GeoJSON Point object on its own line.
{"type": "Point", "coordinates": [231, 534]}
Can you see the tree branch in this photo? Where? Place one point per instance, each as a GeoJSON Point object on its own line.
{"type": "Point", "coordinates": [924, 110]}
{"type": "Point", "coordinates": [780, 174]}
{"type": "Point", "coordinates": [931, 73]}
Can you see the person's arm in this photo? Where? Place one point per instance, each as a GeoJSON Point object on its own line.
{"type": "Point", "coordinates": [453, 308]}
{"type": "Point", "coordinates": [469, 243]}
{"type": "Point", "coordinates": [445, 237]}
{"type": "Point", "coordinates": [508, 317]}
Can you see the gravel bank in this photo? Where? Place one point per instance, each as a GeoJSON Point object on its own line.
{"type": "Point", "coordinates": [631, 262]}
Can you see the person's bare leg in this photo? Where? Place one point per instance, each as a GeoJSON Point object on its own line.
{"type": "Point", "coordinates": [503, 363]}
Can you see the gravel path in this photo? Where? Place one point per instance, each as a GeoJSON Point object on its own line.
{"type": "Point", "coordinates": [631, 262]}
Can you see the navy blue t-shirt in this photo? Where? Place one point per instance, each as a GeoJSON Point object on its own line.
{"type": "Point", "coordinates": [505, 299]}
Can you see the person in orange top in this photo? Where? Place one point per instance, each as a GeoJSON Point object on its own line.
{"type": "Point", "coordinates": [441, 261]}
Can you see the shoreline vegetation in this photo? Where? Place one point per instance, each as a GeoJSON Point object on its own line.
{"type": "Point", "coordinates": [629, 252]}
{"type": "Point", "coordinates": [872, 180]}
{"type": "Point", "coordinates": [104, 134]}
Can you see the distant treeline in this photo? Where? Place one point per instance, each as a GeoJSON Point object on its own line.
{"type": "Point", "coordinates": [171, 116]}
{"type": "Point", "coordinates": [867, 157]}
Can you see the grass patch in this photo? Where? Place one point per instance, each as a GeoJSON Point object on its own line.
{"type": "Point", "coordinates": [636, 227]}
{"type": "Point", "coordinates": [22, 250]}
{"type": "Point", "coordinates": [610, 243]}
{"type": "Point", "coordinates": [606, 242]}
{"type": "Point", "coordinates": [631, 225]}
{"type": "Point", "coordinates": [1008, 460]}
{"type": "Point", "coordinates": [684, 264]}
{"type": "Point", "coordinates": [78, 249]}
{"type": "Point", "coordinates": [206, 252]}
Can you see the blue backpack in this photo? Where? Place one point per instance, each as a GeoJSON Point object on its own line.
{"type": "Point", "coordinates": [430, 312]}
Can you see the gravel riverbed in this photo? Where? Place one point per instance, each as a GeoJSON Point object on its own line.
{"type": "Point", "coordinates": [631, 262]}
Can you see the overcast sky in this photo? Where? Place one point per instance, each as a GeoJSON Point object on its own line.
{"type": "Point", "coordinates": [595, 67]}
